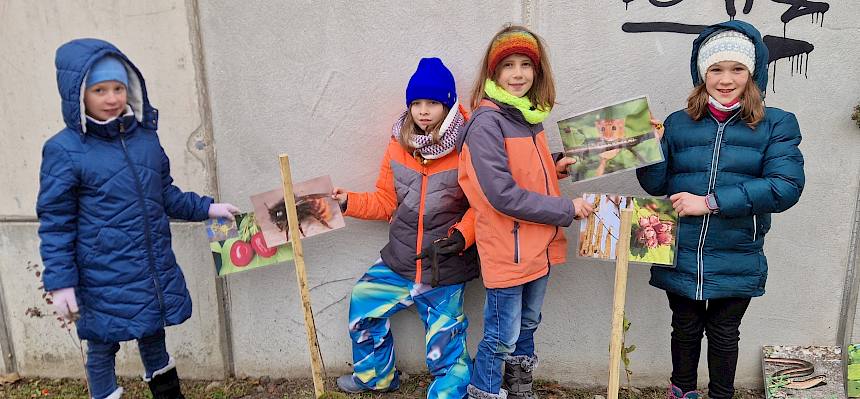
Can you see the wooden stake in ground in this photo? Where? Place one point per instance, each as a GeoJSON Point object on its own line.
{"type": "Point", "coordinates": [295, 239]}
{"type": "Point", "coordinates": [617, 338]}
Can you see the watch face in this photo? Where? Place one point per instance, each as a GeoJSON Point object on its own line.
{"type": "Point", "coordinates": [709, 200]}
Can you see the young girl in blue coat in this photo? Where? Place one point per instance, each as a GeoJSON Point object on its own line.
{"type": "Point", "coordinates": [730, 163]}
{"type": "Point", "coordinates": [105, 197]}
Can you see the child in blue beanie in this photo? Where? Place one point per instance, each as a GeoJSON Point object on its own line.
{"type": "Point", "coordinates": [105, 199]}
{"type": "Point", "coordinates": [430, 253]}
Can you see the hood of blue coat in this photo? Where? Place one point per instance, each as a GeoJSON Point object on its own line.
{"type": "Point", "coordinates": [74, 59]}
{"type": "Point", "coordinates": [761, 52]}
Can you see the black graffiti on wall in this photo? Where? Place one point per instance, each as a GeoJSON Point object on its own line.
{"type": "Point", "coordinates": [800, 8]}
{"type": "Point", "coordinates": [730, 5]}
{"type": "Point", "coordinates": [797, 51]}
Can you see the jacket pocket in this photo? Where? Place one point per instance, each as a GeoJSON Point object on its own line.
{"type": "Point", "coordinates": [516, 233]}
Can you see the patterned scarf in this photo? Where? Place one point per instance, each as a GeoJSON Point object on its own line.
{"type": "Point", "coordinates": [424, 143]}
{"type": "Point", "coordinates": [532, 114]}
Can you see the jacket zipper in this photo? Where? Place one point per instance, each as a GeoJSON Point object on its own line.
{"type": "Point", "coordinates": [546, 185]}
{"type": "Point", "coordinates": [548, 264]}
{"type": "Point", "coordinates": [420, 238]}
{"type": "Point", "coordinates": [755, 227]}
{"type": "Point", "coordinates": [712, 182]}
{"type": "Point", "coordinates": [516, 232]}
{"type": "Point", "coordinates": [543, 167]}
{"type": "Point", "coordinates": [145, 215]}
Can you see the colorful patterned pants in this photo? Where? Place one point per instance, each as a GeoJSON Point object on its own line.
{"type": "Point", "coordinates": [381, 293]}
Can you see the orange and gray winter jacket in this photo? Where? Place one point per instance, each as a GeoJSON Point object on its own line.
{"type": "Point", "coordinates": [508, 174]}
{"type": "Point", "coordinates": [423, 203]}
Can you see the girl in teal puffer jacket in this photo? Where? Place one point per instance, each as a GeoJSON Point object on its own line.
{"type": "Point", "coordinates": [730, 163]}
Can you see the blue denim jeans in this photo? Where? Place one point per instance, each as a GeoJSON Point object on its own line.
{"type": "Point", "coordinates": [101, 362]}
{"type": "Point", "coordinates": [511, 316]}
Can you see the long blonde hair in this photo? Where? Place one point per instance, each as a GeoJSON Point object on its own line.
{"type": "Point", "coordinates": [752, 104]}
{"type": "Point", "coordinates": [542, 92]}
{"type": "Point", "coordinates": [410, 129]}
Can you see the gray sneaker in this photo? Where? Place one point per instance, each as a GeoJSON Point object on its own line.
{"type": "Point", "coordinates": [349, 384]}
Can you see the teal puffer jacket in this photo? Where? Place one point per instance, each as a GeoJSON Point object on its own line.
{"type": "Point", "coordinates": [752, 173]}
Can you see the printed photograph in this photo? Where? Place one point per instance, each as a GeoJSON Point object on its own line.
{"type": "Point", "coordinates": [317, 212]}
{"type": "Point", "coordinates": [610, 139]}
{"type": "Point", "coordinates": [653, 233]}
{"type": "Point", "coordinates": [239, 245]}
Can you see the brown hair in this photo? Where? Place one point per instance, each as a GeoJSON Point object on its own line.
{"type": "Point", "coordinates": [410, 129]}
{"type": "Point", "coordinates": [542, 92]}
{"type": "Point", "coordinates": [752, 104]}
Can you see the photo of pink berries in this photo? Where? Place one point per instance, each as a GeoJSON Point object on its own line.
{"type": "Point", "coordinates": [653, 235]}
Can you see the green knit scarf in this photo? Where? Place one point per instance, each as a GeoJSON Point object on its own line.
{"type": "Point", "coordinates": [532, 114]}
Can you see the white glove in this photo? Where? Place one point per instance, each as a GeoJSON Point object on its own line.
{"type": "Point", "coordinates": [222, 210]}
{"type": "Point", "coordinates": [65, 303]}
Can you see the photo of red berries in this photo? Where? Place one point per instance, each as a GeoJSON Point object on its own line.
{"type": "Point", "coordinates": [653, 233]}
{"type": "Point", "coordinates": [240, 245]}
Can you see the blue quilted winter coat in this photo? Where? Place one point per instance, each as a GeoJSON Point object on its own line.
{"type": "Point", "coordinates": [752, 174]}
{"type": "Point", "coordinates": [105, 197]}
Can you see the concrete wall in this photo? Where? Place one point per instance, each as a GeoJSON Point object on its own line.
{"type": "Point", "coordinates": [323, 82]}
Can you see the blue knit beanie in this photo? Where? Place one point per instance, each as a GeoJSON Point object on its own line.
{"type": "Point", "coordinates": [432, 81]}
{"type": "Point", "coordinates": [105, 69]}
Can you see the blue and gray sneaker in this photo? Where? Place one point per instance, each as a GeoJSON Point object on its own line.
{"type": "Point", "coordinates": [350, 384]}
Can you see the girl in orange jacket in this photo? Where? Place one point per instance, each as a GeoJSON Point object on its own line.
{"type": "Point", "coordinates": [511, 180]}
{"type": "Point", "coordinates": [430, 254]}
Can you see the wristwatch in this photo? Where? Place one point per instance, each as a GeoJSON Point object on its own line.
{"type": "Point", "coordinates": [711, 203]}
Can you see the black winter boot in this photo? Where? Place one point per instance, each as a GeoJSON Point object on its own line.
{"type": "Point", "coordinates": [518, 377]}
{"type": "Point", "coordinates": [166, 386]}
